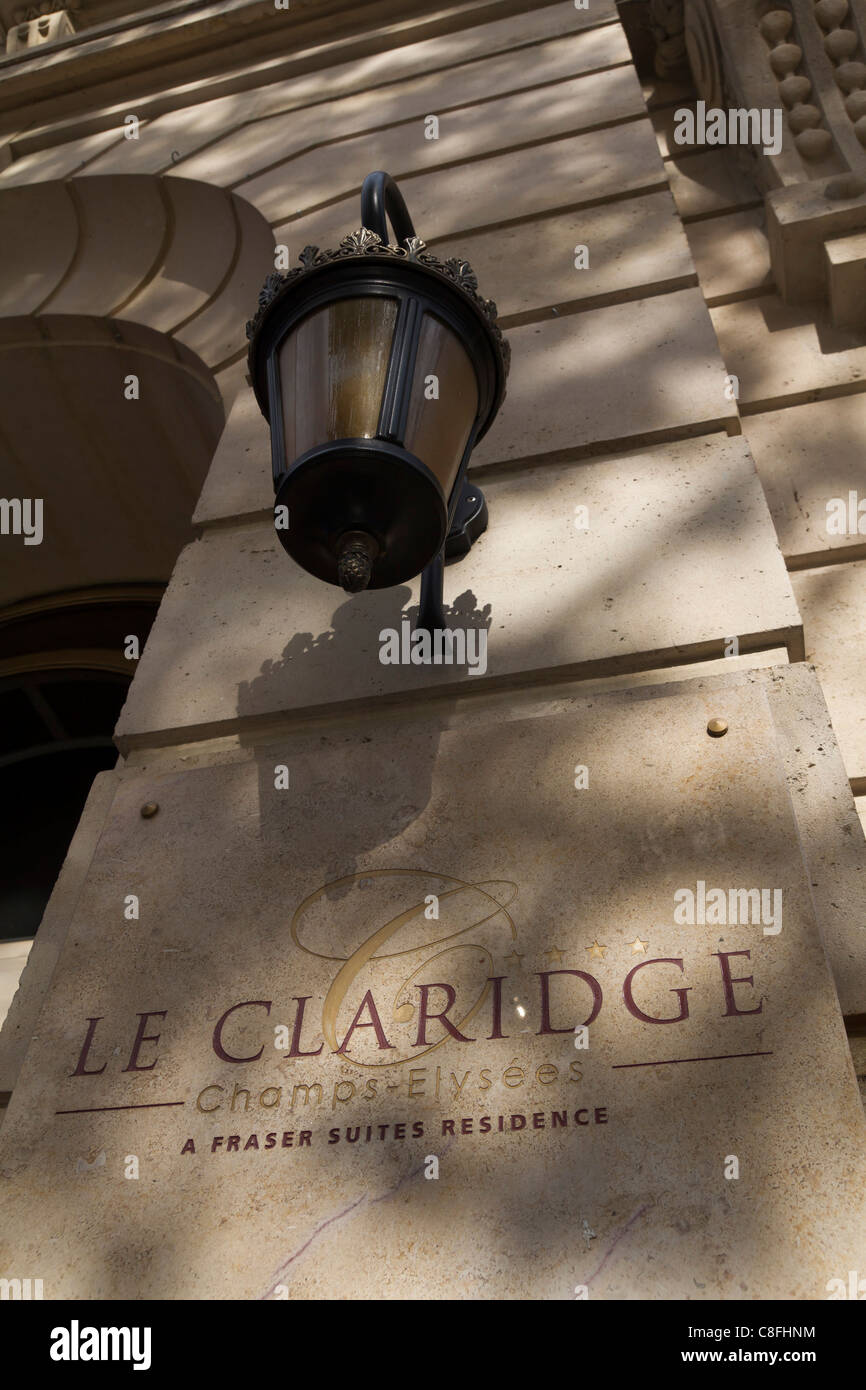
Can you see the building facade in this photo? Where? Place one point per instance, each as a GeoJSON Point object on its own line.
{"type": "Point", "coordinates": [301, 868]}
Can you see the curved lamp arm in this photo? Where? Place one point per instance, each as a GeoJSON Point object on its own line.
{"type": "Point", "coordinates": [381, 199]}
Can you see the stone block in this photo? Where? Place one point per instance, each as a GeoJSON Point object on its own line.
{"type": "Point", "coordinates": [810, 459]}
{"type": "Point", "coordinates": [195, 264]}
{"type": "Point", "coordinates": [786, 354]}
{"type": "Point", "coordinates": [833, 604]}
{"type": "Point", "coordinates": [678, 557]}
{"type": "Point", "coordinates": [800, 218]}
{"type": "Point", "coordinates": [62, 161]}
{"type": "Point", "coordinates": [296, 1163]}
{"type": "Point", "coordinates": [366, 91]}
{"type": "Point", "coordinates": [708, 182]}
{"type": "Point", "coordinates": [38, 227]}
{"type": "Point", "coordinates": [596, 380]}
{"type": "Point", "coordinates": [333, 171]}
{"type": "Point", "coordinates": [845, 266]}
{"type": "Point", "coordinates": [731, 255]}
{"type": "Point", "coordinates": [665, 123]}
{"type": "Point", "coordinates": [123, 211]}
{"type": "Point", "coordinates": [831, 836]}
{"type": "Point", "coordinates": [567, 173]}
{"type": "Point", "coordinates": [632, 244]}
{"type": "Point", "coordinates": [450, 93]}
{"type": "Point", "coordinates": [239, 483]}
{"type": "Point", "coordinates": [216, 333]}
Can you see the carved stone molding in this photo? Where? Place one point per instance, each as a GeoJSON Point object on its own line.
{"type": "Point", "coordinates": [704, 52]}
{"type": "Point", "coordinates": [666, 26]}
{"type": "Point", "coordinates": [804, 59]}
{"type": "Point", "coordinates": [35, 26]}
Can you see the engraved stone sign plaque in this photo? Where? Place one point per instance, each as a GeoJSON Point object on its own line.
{"type": "Point", "coordinates": [508, 1005]}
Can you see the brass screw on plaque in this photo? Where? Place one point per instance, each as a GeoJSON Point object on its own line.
{"type": "Point", "coordinates": [149, 809]}
{"type": "Point", "coordinates": [716, 728]}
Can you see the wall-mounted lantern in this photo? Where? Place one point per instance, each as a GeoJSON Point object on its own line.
{"type": "Point", "coordinates": [378, 368]}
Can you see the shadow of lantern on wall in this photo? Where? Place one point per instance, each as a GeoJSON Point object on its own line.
{"type": "Point", "coordinates": [378, 369]}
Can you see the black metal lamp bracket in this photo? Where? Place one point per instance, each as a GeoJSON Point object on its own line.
{"type": "Point", "coordinates": [382, 200]}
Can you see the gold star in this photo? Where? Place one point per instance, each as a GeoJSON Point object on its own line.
{"type": "Point", "coordinates": [553, 954]}
{"type": "Point", "coordinates": [596, 952]}
{"type": "Point", "coordinates": [514, 959]}
{"type": "Point", "coordinates": [637, 946]}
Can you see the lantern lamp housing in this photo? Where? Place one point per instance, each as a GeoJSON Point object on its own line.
{"type": "Point", "coordinates": [378, 368]}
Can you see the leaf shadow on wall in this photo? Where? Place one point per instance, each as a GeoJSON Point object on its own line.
{"type": "Point", "coordinates": [312, 663]}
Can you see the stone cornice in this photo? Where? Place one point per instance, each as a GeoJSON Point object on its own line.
{"type": "Point", "coordinates": [202, 47]}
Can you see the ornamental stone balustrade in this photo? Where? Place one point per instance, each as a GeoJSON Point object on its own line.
{"type": "Point", "coordinates": [809, 60]}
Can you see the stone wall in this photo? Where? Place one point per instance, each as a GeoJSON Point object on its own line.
{"type": "Point", "coordinates": [633, 584]}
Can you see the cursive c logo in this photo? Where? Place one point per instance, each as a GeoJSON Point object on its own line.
{"type": "Point", "coordinates": [370, 950]}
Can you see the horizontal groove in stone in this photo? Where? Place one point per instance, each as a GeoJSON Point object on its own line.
{"type": "Point", "coordinates": [521, 147]}
{"type": "Point", "coordinates": [492, 472]}
{"type": "Point", "coordinates": [823, 559]}
{"type": "Point", "coordinates": [817, 393]}
{"type": "Point", "coordinates": [621, 444]}
{"type": "Point", "coordinates": [752, 206]}
{"type": "Point", "coordinates": [256, 72]}
{"type": "Point", "coordinates": [505, 223]}
{"type": "Point", "coordinates": [598, 301]}
{"type": "Point", "coordinates": [259, 726]}
{"type": "Point", "coordinates": [237, 185]}
{"type": "Point", "coordinates": [715, 301]}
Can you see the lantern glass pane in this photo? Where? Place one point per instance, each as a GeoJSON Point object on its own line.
{"type": "Point", "coordinates": [332, 372]}
{"type": "Point", "coordinates": [441, 412]}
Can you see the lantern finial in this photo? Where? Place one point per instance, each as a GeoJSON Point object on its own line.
{"type": "Point", "coordinates": [357, 552]}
